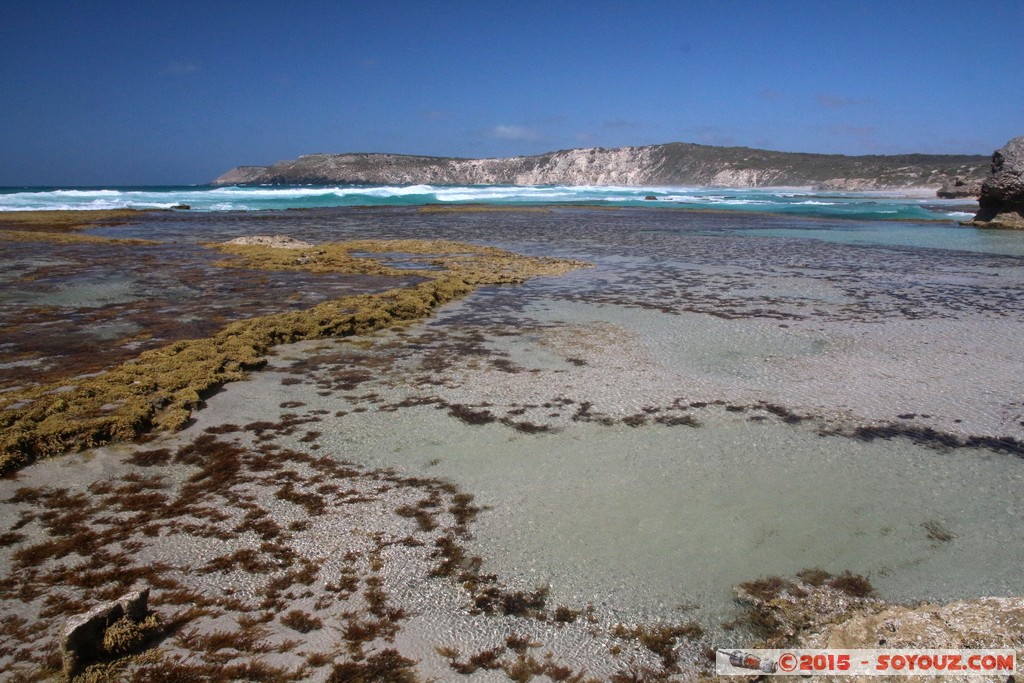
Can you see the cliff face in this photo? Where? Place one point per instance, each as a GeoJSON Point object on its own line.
{"type": "Point", "coordinates": [1001, 204]}
{"type": "Point", "coordinates": [670, 164]}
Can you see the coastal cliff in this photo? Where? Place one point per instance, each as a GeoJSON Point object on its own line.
{"type": "Point", "coordinates": [1001, 203]}
{"type": "Point", "coordinates": [675, 163]}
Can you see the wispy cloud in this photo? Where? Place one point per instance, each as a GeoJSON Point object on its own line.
{"type": "Point", "coordinates": [622, 124]}
{"type": "Point", "coordinates": [521, 133]}
{"type": "Point", "coordinates": [838, 102]}
{"type": "Point", "coordinates": [180, 69]}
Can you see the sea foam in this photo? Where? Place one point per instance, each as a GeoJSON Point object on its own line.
{"type": "Point", "coordinates": [242, 198]}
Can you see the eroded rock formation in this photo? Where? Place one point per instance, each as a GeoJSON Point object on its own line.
{"type": "Point", "coordinates": [1001, 203]}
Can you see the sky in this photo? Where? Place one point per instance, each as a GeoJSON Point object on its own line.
{"type": "Point", "coordinates": [117, 93]}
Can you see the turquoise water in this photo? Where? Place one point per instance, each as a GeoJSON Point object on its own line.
{"type": "Point", "coordinates": [928, 235]}
{"type": "Point", "coordinates": [795, 201]}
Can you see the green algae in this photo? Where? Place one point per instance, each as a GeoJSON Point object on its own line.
{"type": "Point", "coordinates": [161, 387]}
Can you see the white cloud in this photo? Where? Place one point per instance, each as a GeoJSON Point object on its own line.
{"type": "Point", "coordinates": [515, 133]}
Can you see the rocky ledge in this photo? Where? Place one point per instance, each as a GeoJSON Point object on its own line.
{"type": "Point", "coordinates": [1001, 203]}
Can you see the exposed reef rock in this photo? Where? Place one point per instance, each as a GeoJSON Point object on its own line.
{"type": "Point", "coordinates": [984, 622]}
{"type": "Point", "coordinates": [1001, 203]}
{"type": "Point", "coordinates": [275, 241]}
{"type": "Point", "coordinates": [675, 163]}
{"type": "Point", "coordinates": [159, 388]}
{"type": "Point", "coordinates": [817, 610]}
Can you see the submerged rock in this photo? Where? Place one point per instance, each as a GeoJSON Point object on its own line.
{"type": "Point", "coordinates": [1001, 204]}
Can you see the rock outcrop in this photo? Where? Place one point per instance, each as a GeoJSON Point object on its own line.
{"type": "Point", "coordinates": [108, 630]}
{"type": "Point", "coordinates": [674, 163]}
{"type": "Point", "coordinates": [959, 187]}
{"type": "Point", "coordinates": [816, 610]}
{"type": "Point", "coordinates": [1001, 203]}
{"type": "Point", "coordinates": [979, 623]}
{"type": "Point", "coordinates": [275, 241]}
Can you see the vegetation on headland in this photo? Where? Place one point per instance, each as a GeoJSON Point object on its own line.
{"type": "Point", "coordinates": [161, 387]}
{"type": "Point", "coordinates": [674, 163]}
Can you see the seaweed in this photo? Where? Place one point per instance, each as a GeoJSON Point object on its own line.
{"type": "Point", "coordinates": [300, 621]}
{"type": "Point", "coordinates": [161, 387]}
{"type": "Point", "coordinates": [853, 585]}
{"type": "Point", "coordinates": [937, 531]}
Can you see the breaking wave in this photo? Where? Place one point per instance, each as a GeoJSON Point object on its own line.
{"type": "Point", "coordinates": [202, 198]}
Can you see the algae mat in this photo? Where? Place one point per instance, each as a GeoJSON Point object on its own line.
{"type": "Point", "coordinates": [160, 387]}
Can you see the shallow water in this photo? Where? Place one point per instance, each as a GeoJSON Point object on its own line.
{"type": "Point", "coordinates": [644, 520]}
{"type": "Point", "coordinates": [639, 520]}
{"type": "Point", "coordinates": [660, 427]}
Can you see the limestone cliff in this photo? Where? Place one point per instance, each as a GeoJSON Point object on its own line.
{"type": "Point", "coordinates": [1001, 203]}
{"type": "Point", "coordinates": [675, 163]}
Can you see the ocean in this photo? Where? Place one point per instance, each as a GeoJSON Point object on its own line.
{"type": "Point", "coordinates": [791, 201]}
{"type": "Point", "coordinates": [788, 381]}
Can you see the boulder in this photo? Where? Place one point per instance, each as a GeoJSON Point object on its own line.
{"type": "Point", "coordinates": [1001, 203]}
{"type": "Point", "coordinates": [82, 639]}
{"type": "Point", "coordinates": [959, 187]}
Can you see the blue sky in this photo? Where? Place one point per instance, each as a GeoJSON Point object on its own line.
{"type": "Point", "coordinates": [100, 92]}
